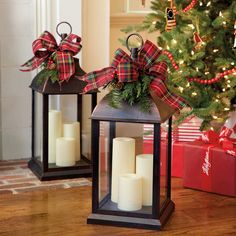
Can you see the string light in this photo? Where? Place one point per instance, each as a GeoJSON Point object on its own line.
{"type": "Point", "coordinates": [209, 3]}
{"type": "Point", "coordinates": [215, 117]}
{"type": "Point", "coordinates": [194, 94]}
{"type": "Point", "coordinates": [200, 4]}
{"type": "Point", "coordinates": [228, 81]}
{"type": "Point", "coordinates": [215, 50]}
{"type": "Point", "coordinates": [197, 69]}
{"type": "Point", "coordinates": [217, 100]}
{"type": "Point", "coordinates": [207, 72]}
{"type": "Point", "coordinates": [174, 41]}
{"type": "Point", "coordinates": [191, 26]}
{"type": "Point", "coordinates": [232, 63]}
{"type": "Point", "coordinates": [192, 52]}
{"type": "Point", "coordinates": [226, 109]}
{"type": "Point", "coordinates": [220, 14]}
{"type": "Point", "coordinates": [181, 89]}
{"type": "Point", "coordinates": [188, 85]}
{"type": "Point", "coordinates": [228, 85]}
{"type": "Point", "coordinates": [223, 89]}
{"type": "Point", "coordinates": [223, 68]}
{"type": "Point", "coordinates": [224, 22]}
{"type": "Point", "coordinates": [154, 22]}
{"type": "Point", "coordinates": [181, 62]}
{"type": "Point", "coordinates": [180, 51]}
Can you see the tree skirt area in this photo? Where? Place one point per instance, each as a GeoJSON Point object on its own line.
{"type": "Point", "coordinates": [15, 177]}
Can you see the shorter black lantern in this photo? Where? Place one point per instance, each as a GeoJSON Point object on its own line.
{"type": "Point", "coordinates": [45, 132]}
{"type": "Point", "coordinates": [131, 165]}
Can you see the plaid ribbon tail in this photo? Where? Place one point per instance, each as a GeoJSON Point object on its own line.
{"type": "Point", "coordinates": [32, 64]}
{"type": "Point", "coordinates": [65, 65]}
{"type": "Point", "coordinates": [159, 88]}
{"type": "Point", "coordinates": [98, 78]}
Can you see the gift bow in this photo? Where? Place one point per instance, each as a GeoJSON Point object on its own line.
{"type": "Point", "coordinates": [46, 45]}
{"type": "Point", "coordinates": [128, 70]}
{"type": "Point", "coordinates": [221, 140]}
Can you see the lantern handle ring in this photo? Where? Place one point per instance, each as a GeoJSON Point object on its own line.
{"type": "Point", "coordinates": [127, 41]}
{"type": "Point", "coordinates": [63, 35]}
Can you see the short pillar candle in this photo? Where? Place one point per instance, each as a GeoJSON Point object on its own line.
{"type": "Point", "coordinates": [54, 132]}
{"type": "Point", "coordinates": [123, 161]}
{"type": "Point", "coordinates": [130, 192]}
{"type": "Point", "coordinates": [144, 168]}
{"type": "Point", "coordinates": [65, 151]}
{"type": "Point", "coordinates": [72, 130]}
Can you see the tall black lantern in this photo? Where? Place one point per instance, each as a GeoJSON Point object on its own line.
{"type": "Point", "coordinates": [131, 166]}
{"type": "Point", "coordinates": [45, 96]}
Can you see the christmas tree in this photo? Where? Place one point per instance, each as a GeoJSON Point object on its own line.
{"type": "Point", "coordinates": [198, 41]}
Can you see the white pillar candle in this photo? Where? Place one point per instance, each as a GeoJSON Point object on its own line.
{"type": "Point", "coordinates": [72, 130]}
{"type": "Point", "coordinates": [123, 161]}
{"type": "Point", "coordinates": [54, 132]}
{"type": "Point", "coordinates": [130, 192]}
{"type": "Point", "coordinates": [144, 168]}
{"type": "Point", "coordinates": [65, 151]}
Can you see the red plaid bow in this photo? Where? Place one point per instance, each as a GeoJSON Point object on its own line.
{"type": "Point", "coordinates": [127, 70]}
{"type": "Point", "coordinates": [46, 45]}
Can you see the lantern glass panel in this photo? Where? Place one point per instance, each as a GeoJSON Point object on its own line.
{"type": "Point", "coordinates": [104, 154]}
{"type": "Point", "coordinates": [38, 127]}
{"type": "Point", "coordinates": [163, 163]}
{"type": "Point", "coordinates": [124, 161]}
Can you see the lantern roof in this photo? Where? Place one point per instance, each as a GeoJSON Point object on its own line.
{"type": "Point", "coordinates": [72, 86]}
{"type": "Point", "coordinates": [160, 112]}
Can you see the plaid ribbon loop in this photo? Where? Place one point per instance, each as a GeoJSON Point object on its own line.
{"type": "Point", "coordinates": [125, 69]}
{"type": "Point", "coordinates": [45, 46]}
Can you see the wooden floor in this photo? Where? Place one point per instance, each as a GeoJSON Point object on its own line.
{"type": "Point", "coordinates": [64, 211]}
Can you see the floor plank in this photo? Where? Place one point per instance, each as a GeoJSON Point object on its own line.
{"type": "Point", "coordinates": [64, 212]}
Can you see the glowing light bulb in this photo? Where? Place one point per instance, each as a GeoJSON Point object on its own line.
{"type": "Point", "coordinates": [154, 22]}
{"type": "Point", "coordinates": [224, 22]}
{"type": "Point", "coordinates": [223, 68]}
{"type": "Point", "coordinates": [215, 117]}
{"type": "Point", "coordinates": [192, 52]}
{"type": "Point", "coordinates": [209, 3]}
{"type": "Point", "coordinates": [220, 14]}
{"type": "Point", "coordinates": [217, 100]}
{"type": "Point", "coordinates": [167, 47]}
{"type": "Point", "coordinates": [181, 62]}
{"type": "Point", "coordinates": [200, 4]}
{"type": "Point", "coordinates": [228, 81]}
{"type": "Point", "coordinates": [174, 41]}
{"type": "Point", "coordinates": [197, 69]}
{"type": "Point", "coordinates": [180, 51]}
{"type": "Point", "coordinates": [223, 89]}
{"type": "Point", "coordinates": [228, 86]}
{"type": "Point", "coordinates": [226, 109]}
{"type": "Point", "coordinates": [215, 50]}
{"type": "Point", "coordinates": [181, 89]}
{"type": "Point", "coordinates": [187, 85]}
{"type": "Point", "coordinates": [191, 26]}
{"type": "Point", "coordinates": [180, 71]}
{"type": "Point", "coordinates": [207, 72]}
{"type": "Point", "coordinates": [232, 63]}
{"type": "Point", "coordinates": [194, 94]}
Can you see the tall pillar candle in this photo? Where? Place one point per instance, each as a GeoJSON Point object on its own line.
{"type": "Point", "coordinates": [130, 192]}
{"type": "Point", "coordinates": [144, 168]}
{"type": "Point", "coordinates": [72, 130]}
{"type": "Point", "coordinates": [54, 132]}
{"type": "Point", "coordinates": [123, 161]}
{"type": "Point", "coordinates": [65, 151]}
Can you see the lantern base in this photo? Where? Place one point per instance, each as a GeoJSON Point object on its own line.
{"type": "Point", "coordinates": [133, 222]}
{"type": "Point", "coordinates": [59, 173]}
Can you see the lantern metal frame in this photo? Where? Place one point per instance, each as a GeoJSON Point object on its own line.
{"type": "Point", "coordinates": [106, 212]}
{"type": "Point", "coordinates": [42, 169]}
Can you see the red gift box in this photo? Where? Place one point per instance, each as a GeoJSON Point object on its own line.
{"type": "Point", "coordinates": [209, 168]}
{"type": "Point", "coordinates": [177, 156]}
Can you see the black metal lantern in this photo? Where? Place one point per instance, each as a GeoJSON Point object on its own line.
{"type": "Point", "coordinates": [124, 151]}
{"type": "Point", "coordinates": [44, 94]}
